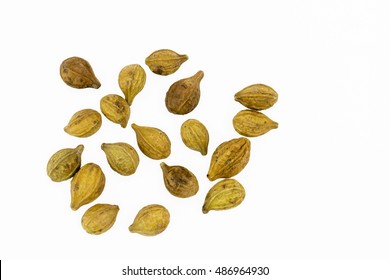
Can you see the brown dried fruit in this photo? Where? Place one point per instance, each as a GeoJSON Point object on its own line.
{"type": "Point", "coordinates": [77, 73]}
{"type": "Point", "coordinates": [252, 123]}
{"type": "Point", "coordinates": [86, 185]}
{"type": "Point", "coordinates": [115, 108]}
{"type": "Point", "coordinates": [195, 135]}
{"type": "Point", "coordinates": [225, 194]}
{"type": "Point", "coordinates": [150, 220]}
{"type": "Point", "coordinates": [179, 181]}
{"type": "Point", "coordinates": [165, 62]}
{"type": "Point", "coordinates": [153, 142]}
{"type": "Point", "coordinates": [64, 163]}
{"type": "Point", "coordinates": [183, 96]}
{"type": "Point", "coordinates": [132, 79]}
{"type": "Point", "coordinates": [84, 123]}
{"type": "Point", "coordinates": [229, 158]}
{"type": "Point", "coordinates": [99, 218]}
{"type": "Point", "coordinates": [122, 157]}
{"type": "Point", "coordinates": [257, 97]}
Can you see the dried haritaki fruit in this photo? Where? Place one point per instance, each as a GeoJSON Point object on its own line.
{"type": "Point", "coordinates": [64, 163]}
{"type": "Point", "coordinates": [86, 185]}
{"type": "Point", "coordinates": [179, 181]}
{"type": "Point", "coordinates": [195, 135]}
{"type": "Point", "coordinates": [183, 96]}
{"type": "Point", "coordinates": [115, 108]}
{"type": "Point", "coordinates": [229, 158]}
{"type": "Point", "coordinates": [150, 220]}
{"type": "Point", "coordinates": [257, 97]}
{"type": "Point", "coordinates": [165, 62]}
{"type": "Point", "coordinates": [122, 157]}
{"type": "Point", "coordinates": [84, 123]}
{"type": "Point", "coordinates": [153, 142]}
{"type": "Point", "coordinates": [225, 194]}
{"type": "Point", "coordinates": [77, 73]}
{"type": "Point", "coordinates": [131, 80]}
{"type": "Point", "coordinates": [99, 218]}
{"type": "Point", "coordinates": [252, 123]}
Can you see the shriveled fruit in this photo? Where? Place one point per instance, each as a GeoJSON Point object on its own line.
{"type": "Point", "coordinates": [132, 79]}
{"type": "Point", "coordinates": [84, 123]}
{"type": "Point", "coordinates": [64, 163]}
{"type": "Point", "coordinates": [252, 123]}
{"type": "Point", "coordinates": [225, 194]}
{"type": "Point", "coordinates": [179, 181]}
{"type": "Point", "coordinates": [86, 185]}
{"type": "Point", "coordinates": [122, 157]}
{"type": "Point", "coordinates": [165, 62]}
{"type": "Point", "coordinates": [150, 220]}
{"type": "Point", "coordinates": [115, 108]}
{"type": "Point", "coordinates": [229, 158]}
{"type": "Point", "coordinates": [99, 218]}
{"type": "Point", "coordinates": [195, 135]}
{"type": "Point", "coordinates": [257, 97]}
{"type": "Point", "coordinates": [76, 72]}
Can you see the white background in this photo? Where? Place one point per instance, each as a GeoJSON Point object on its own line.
{"type": "Point", "coordinates": [317, 187]}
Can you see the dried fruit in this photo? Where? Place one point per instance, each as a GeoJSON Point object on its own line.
{"type": "Point", "coordinates": [86, 185]}
{"type": "Point", "coordinates": [122, 157]}
{"type": "Point", "coordinates": [225, 194]}
{"type": "Point", "coordinates": [165, 62]}
{"type": "Point", "coordinates": [64, 163]}
{"type": "Point", "coordinates": [153, 142]}
{"type": "Point", "coordinates": [99, 218]}
{"type": "Point", "coordinates": [115, 108]}
{"type": "Point", "coordinates": [84, 123]}
{"type": "Point", "coordinates": [183, 96]}
{"type": "Point", "coordinates": [257, 97]}
{"type": "Point", "coordinates": [252, 123]}
{"type": "Point", "coordinates": [229, 158]}
{"type": "Point", "coordinates": [77, 73]}
{"type": "Point", "coordinates": [179, 181]}
{"type": "Point", "coordinates": [195, 135]}
{"type": "Point", "coordinates": [131, 80]}
{"type": "Point", "coordinates": [150, 220]}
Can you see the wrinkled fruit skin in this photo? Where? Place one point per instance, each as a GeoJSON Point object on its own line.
{"type": "Point", "coordinates": [86, 185]}
{"type": "Point", "coordinates": [84, 123]}
{"type": "Point", "coordinates": [76, 72]}
{"type": "Point", "coordinates": [63, 164]}
{"type": "Point", "coordinates": [153, 142]}
{"type": "Point", "coordinates": [122, 157]}
{"type": "Point", "coordinates": [183, 96]}
{"type": "Point", "coordinates": [165, 62]}
{"type": "Point", "coordinates": [252, 123]}
{"type": "Point", "coordinates": [195, 136]}
{"type": "Point", "coordinates": [257, 97]}
{"type": "Point", "coordinates": [179, 181]}
{"type": "Point", "coordinates": [116, 109]}
{"type": "Point", "coordinates": [150, 220]}
{"type": "Point", "coordinates": [99, 218]}
{"type": "Point", "coordinates": [229, 158]}
{"type": "Point", "coordinates": [131, 80]}
{"type": "Point", "coordinates": [224, 195]}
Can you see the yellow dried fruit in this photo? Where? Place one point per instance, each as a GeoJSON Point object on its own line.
{"type": "Point", "coordinates": [99, 218]}
{"type": "Point", "coordinates": [179, 181]}
{"type": "Point", "coordinates": [84, 123]}
{"type": "Point", "coordinates": [115, 108]}
{"type": "Point", "coordinates": [183, 96]}
{"type": "Point", "coordinates": [195, 135]}
{"type": "Point", "coordinates": [252, 123]}
{"type": "Point", "coordinates": [153, 142]}
{"type": "Point", "coordinates": [77, 73]}
{"type": "Point", "coordinates": [225, 194]}
{"type": "Point", "coordinates": [86, 185]}
{"type": "Point", "coordinates": [122, 157]}
{"type": "Point", "coordinates": [257, 97]}
{"type": "Point", "coordinates": [132, 79]}
{"type": "Point", "coordinates": [229, 158]}
{"type": "Point", "coordinates": [150, 220]}
{"type": "Point", "coordinates": [165, 62]}
{"type": "Point", "coordinates": [64, 163]}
